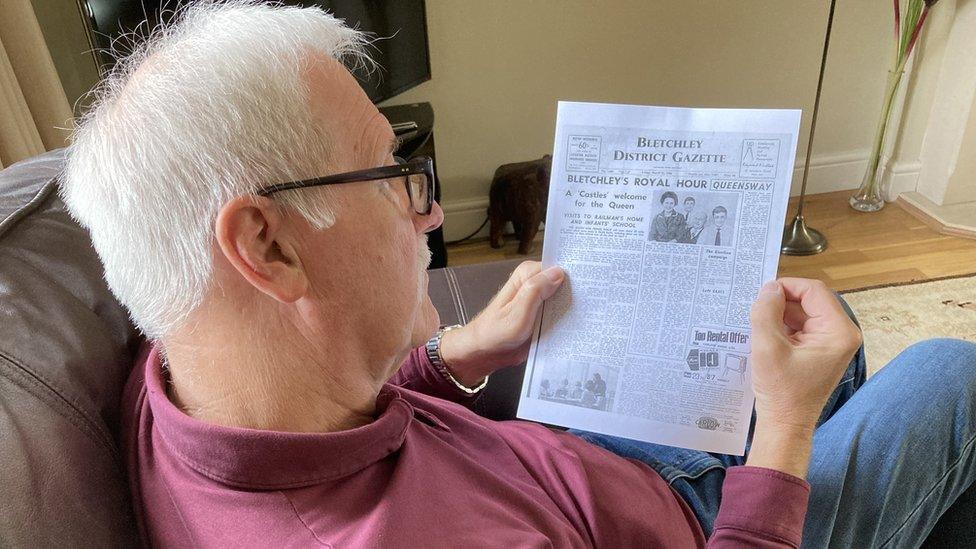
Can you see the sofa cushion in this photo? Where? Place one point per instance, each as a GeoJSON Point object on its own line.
{"type": "Point", "coordinates": [65, 350]}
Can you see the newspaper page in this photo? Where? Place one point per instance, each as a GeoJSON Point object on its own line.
{"type": "Point", "coordinates": [667, 222]}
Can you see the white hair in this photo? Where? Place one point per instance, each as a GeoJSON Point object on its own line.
{"type": "Point", "coordinates": [206, 109]}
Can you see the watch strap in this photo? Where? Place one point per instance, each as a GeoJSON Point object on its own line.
{"type": "Point", "coordinates": [433, 348]}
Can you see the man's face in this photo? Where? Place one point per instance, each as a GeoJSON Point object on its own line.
{"type": "Point", "coordinates": [689, 205]}
{"type": "Point", "coordinates": [719, 219]}
{"type": "Point", "coordinates": [373, 260]}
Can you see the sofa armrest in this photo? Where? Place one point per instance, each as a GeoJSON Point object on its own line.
{"type": "Point", "coordinates": [459, 293]}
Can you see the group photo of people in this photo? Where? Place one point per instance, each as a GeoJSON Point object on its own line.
{"type": "Point", "coordinates": [694, 218]}
{"type": "Point", "coordinates": [578, 384]}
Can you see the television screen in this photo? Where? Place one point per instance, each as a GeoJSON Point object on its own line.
{"type": "Point", "coordinates": [400, 25]}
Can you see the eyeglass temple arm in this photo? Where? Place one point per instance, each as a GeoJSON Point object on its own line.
{"type": "Point", "coordinates": [369, 174]}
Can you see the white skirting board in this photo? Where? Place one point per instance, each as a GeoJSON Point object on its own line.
{"type": "Point", "coordinates": [463, 216]}
{"type": "Point", "coordinates": [828, 173]}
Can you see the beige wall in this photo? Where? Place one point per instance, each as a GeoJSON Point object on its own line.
{"type": "Point", "coordinates": [500, 66]}
{"type": "Point", "coordinates": [948, 165]}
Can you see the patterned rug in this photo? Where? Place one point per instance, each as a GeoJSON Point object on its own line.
{"type": "Point", "coordinates": [895, 316]}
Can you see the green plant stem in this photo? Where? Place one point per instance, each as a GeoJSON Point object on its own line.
{"type": "Point", "coordinates": [894, 79]}
{"type": "Point", "coordinates": [907, 35]}
{"type": "Point", "coordinates": [912, 13]}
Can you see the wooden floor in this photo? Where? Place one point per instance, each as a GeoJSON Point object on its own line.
{"type": "Point", "coordinates": [885, 247]}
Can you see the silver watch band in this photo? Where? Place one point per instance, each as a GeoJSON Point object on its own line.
{"type": "Point", "coordinates": [433, 348]}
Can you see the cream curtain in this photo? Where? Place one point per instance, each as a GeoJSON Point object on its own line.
{"type": "Point", "coordinates": [34, 112]}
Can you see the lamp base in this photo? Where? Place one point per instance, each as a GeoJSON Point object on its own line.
{"type": "Point", "coordinates": [798, 239]}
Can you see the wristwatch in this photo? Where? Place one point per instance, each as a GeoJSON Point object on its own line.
{"type": "Point", "coordinates": [433, 348]}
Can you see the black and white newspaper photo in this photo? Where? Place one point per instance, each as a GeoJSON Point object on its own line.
{"type": "Point", "coordinates": [666, 221]}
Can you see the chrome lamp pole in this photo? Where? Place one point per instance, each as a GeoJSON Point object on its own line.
{"type": "Point", "coordinates": [798, 239]}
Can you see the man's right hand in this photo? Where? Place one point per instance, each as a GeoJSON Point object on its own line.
{"type": "Point", "coordinates": [802, 342]}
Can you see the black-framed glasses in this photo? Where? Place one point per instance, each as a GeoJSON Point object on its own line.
{"type": "Point", "coordinates": [417, 174]}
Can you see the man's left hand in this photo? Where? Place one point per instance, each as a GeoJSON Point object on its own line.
{"type": "Point", "coordinates": [499, 336]}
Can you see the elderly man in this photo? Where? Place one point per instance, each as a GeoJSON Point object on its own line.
{"type": "Point", "coordinates": [695, 224]}
{"type": "Point", "coordinates": [241, 192]}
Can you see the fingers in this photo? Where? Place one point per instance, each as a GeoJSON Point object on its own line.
{"type": "Point", "coordinates": [768, 311]}
{"type": "Point", "coordinates": [794, 318]}
{"type": "Point", "coordinates": [525, 271]}
{"type": "Point", "coordinates": [814, 297]}
{"type": "Point", "coordinates": [820, 311]}
{"type": "Point", "coordinates": [537, 289]}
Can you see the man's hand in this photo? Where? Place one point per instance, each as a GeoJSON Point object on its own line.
{"type": "Point", "coordinates": [499, 336]}
{"type": "Point", "coordinates": [802, 341]}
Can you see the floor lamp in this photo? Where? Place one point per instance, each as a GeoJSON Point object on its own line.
{"type": "Point", "coordinates": [798, 239]}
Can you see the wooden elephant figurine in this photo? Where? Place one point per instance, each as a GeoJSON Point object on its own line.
{"type": "Point", "coordinates": [519, 193]}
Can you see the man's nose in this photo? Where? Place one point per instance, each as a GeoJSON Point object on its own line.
{"type": "Point", "coordinates": [434, 220]}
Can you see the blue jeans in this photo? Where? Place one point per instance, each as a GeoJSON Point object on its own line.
{"type": "Point", "coordinates": [889, 457]}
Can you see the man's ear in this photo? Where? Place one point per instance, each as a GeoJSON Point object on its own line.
{"type": "Point", "coordinates": [249, 231]}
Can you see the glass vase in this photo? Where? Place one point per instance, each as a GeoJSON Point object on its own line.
{"type": "Point", "coordinates": [868, 197]}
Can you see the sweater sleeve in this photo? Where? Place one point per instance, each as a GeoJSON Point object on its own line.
{"type": "Point", "coordinates": [418, 374]}
{"type": "Point", "coordinates": [760, 508]}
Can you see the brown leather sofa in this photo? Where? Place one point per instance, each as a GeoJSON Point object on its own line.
{"type": "Point", "coordinates": [66, 347]}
